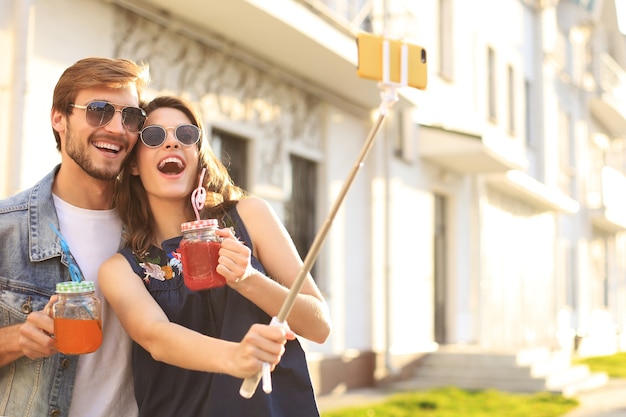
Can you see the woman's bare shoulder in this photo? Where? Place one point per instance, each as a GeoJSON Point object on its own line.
{"type": "Point", "coordinates": [253, 206]}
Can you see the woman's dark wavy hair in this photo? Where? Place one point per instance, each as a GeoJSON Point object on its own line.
{"type": "Point", "coordinates": [130, 196]}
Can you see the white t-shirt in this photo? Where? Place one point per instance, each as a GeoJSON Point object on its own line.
{"type": "Point", "coordinates": [104, 379]}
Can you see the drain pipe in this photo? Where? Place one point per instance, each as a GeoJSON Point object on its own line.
{"type": "Point", "coordinates": [389, 367]}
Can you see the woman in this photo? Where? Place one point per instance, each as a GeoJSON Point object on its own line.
{"type": "Point", "coordinates": [193, 348]}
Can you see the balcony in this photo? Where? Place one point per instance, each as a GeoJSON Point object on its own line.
{"type": "Point", "coordinates": [526, 188]}
{"type": "Point", "coordinates": [467, 153]}
{"type": "Point", "coordinates": [284, 38]}
{"type": "Point", "coordinates": [310, 44]}
{"type": "Point", "coordinates": [608, 104]}
{"type": "Point", "coordinates": [608, 208]}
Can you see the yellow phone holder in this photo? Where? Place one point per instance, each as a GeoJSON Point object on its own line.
{"type": "Point", "coordinates": [391, 61]}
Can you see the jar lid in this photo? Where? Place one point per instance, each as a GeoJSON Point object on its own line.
{"type": "Point", "coordinates": [199, 224]}
{"type": "Point", "coordinates": [75, 286]}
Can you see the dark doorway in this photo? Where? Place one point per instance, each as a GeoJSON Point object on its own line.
{"type": "Point", "coordinates": [302, 205]}
{"type": "Point", "coordinates": [233, 152]}
{"type": "Point", "coordinates": [440, 244]}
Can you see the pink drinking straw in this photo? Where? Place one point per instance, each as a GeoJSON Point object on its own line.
{"type": "Point", "coordinates": [198, 197]}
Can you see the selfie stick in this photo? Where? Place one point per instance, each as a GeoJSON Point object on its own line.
{"type": "Point", "coordinates": [389, 96]}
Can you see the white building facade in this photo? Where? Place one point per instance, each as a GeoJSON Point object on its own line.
{"type": "Point", "coordinates": [490, 211]}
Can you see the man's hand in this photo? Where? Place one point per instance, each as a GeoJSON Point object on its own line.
{"type": "Point", "coordinates": [32, 339]}
{"type": "Point", "coordinates": [36, 334]}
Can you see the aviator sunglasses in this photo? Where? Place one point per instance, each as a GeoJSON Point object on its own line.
{"type": "Point", "coordinates": [154, 136]}
{"type": "Point", "coordinates": [75, 273]}
{"type": "Point", "coordinates": [100, 113]}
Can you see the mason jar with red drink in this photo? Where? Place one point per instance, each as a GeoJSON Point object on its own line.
{"type": "Point", "coordinates": [199, 251]}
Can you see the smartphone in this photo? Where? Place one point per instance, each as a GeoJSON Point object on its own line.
{"type": "Point", "coordinates": [370, 60]}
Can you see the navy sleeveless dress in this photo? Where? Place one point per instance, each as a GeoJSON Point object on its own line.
{"type": "Point", "coordinates": [166, 390]}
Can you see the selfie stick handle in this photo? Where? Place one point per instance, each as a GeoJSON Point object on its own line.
{"type": "Point", "coordinates": [389, 96]}
{"type": "Point", "coordinates": [248, 387]}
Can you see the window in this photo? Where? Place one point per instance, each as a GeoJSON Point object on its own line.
{"type": "Point", "coordinates": [357, 12]}
{"type": "Point", "coordinates": [599, 270]}
{"type": "Point", "coordinates": [446, 36]}
{"type": "Point", "coordinates": [569, 273]}
{"type": "Point", "coordinates": [491, 84]}
{"type": "Point", "coordinates": [616, 156]}
{"type": "Point", "coordinates": [530, 134]}
{"type": "Point", "coordinates": [566, 154]}
{"type": "Point", "coordinates": [301, 211]}
{"type": "Point", "coordinates": [587, 4]}
{"type": "Point", "coordinates": [528, 114]}
{"type": "Point", "coordinates": [232, 151]}
{"type": "Point", "coordinates": [511, 99]}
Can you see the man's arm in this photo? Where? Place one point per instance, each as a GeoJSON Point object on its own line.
{"type": "Point", "coordinates": [9, 344]}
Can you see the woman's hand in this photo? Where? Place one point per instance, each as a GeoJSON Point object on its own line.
{"type": "Point", "coordinates": [234, 261]}
{"type": "Point", "coordinates": [262, 343]}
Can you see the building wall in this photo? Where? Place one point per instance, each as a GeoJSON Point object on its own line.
{"type": "Point", "coordinates": [35, 61]}
{"type": "Point", "coordinates": [274, 116]}
{"type": "Point", "coordinates": [518, 270]}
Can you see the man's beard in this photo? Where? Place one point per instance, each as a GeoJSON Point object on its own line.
{"type": "Point", "coordinates": [77, 150]}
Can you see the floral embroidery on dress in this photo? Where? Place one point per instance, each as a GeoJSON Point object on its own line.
{"type": "Point", "coordinates": [153, 268]}
{"type": "Point", "coordinates": [174, 263]}
{"type": "Point", "coordinates": [152, 271]}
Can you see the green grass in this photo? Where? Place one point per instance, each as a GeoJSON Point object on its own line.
{"type": "Point", "coordinates": [455, 402]}
{"type": "Point", "coordinates": [613, 365]}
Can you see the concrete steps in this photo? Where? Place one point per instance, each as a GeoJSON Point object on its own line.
{"type": "Point", "coordinates": [524, 371]}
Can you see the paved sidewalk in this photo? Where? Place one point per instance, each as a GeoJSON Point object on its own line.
{"type": "Point", "coordinates": [353, 397]}
{"type": "Point", "coordinates": [607, 401]}
{"type": "Point", "coordinates": [364, 395]}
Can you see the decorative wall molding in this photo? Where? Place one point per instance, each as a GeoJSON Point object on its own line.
{"type": "Point", "coordinates": [224, 87]}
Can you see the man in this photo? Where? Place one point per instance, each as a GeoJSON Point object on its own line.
{"type": "Point", "coordinates": [95, 119]}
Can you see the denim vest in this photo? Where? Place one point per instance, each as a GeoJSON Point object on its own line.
{"type": "Point", "coordinates": [29, 271]}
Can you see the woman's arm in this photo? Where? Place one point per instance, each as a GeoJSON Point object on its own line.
{"type": "Point", "coordinates": [274, 248]}
{"type": "Point", "coordinates": [147, 324]}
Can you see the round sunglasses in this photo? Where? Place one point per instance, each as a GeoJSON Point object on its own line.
{"type": "Point", "coordinates": [154, 136]}
{"type": "Point", "coordinates": [100, 113]}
